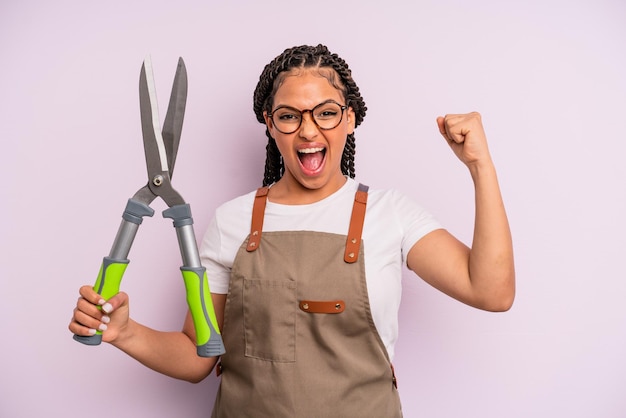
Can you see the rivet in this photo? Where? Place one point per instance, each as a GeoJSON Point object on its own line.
{"type": "Point", "coordinates": [338, 306]}
{"type": "Point", "coordinates": [255, 233]}
{"type": "Point", "coordinates": [351, 255]}
{"type": "Point", "coordinates": [253, 244]}
{"type": "Point", "coordinates": [305, 306]}
{"type": "Point", "coordinates": [354, 240]}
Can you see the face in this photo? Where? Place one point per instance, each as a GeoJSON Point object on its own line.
{"type": "Point", "coordinates": [312, 156]}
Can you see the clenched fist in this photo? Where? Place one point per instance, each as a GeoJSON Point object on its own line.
{"type": "Point", "coordinates": [466, 137]}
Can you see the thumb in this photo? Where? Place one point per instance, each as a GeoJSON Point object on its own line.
{"type": "Point", "coordinates": [120, 299]}
{"type": "Point", "coordinates": [441, 125]}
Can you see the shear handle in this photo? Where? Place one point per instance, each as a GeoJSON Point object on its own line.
{"type": "Point", "coordinates": [113, 267]}
{"type": "Point", "coordinates": [208, 339]}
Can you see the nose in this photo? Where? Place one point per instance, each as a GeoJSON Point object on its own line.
{"type": "Point", "coordinates": [308, 127]}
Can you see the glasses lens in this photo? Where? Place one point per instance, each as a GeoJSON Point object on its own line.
{"type": "Point", "coordinates": [287, 119]}
{"type": "Point", "coordinates": [327, 115]}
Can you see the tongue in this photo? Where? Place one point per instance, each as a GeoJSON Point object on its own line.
{"type": "Point", "coordinates": [312, 161]}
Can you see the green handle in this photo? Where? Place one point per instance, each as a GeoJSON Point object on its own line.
{"type": "Point", "coordinates": [107, 285]}
{"type": "Point", "coordinates": [113, 266]}
{"type": "Point", "coordinates": [208, 339]}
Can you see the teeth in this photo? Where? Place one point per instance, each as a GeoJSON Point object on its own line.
{"type": "Point", "coordinates": [310, 150]}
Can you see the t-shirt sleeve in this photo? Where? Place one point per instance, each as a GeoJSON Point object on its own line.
{"type": "Point", "coordinates": [415, 222]}
{"type": "Point", "coordinates": [210, 255]}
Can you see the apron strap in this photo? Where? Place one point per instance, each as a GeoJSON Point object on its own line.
{"type": "Point", "coordinates": [258, 213]}
{"type": "Point", "coordinates": [353, 243]}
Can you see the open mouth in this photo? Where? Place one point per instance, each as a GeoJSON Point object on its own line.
{"type": "Point", "coordinates": [312, 159]}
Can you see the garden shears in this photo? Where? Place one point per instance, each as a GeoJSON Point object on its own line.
{"type": "Point", "coordinates": [160, 149]}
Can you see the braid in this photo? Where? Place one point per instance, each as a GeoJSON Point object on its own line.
{"type": "Point", "coordinates": [273, 162]}
{"type": "Point", "coordinates": [347, 160]}
{"type": "Point", "coordinates": [305, 57]}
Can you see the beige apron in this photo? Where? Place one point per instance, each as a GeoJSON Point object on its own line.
{"type": "Point", "coordinates": [299, 335]}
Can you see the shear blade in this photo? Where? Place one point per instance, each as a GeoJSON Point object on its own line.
{"type": "Point", "coordinates": [154, 147]}
{"type": "Point", "coordinates": [173, 125]}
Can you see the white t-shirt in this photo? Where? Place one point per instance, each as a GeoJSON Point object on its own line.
{"type": "Point", "coordinates": [393, 224]}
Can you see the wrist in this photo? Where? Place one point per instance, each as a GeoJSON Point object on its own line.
{"type": "Point", "coordinates": [481, 168]}
{"type": "Point", "coordinates": [125, 335]}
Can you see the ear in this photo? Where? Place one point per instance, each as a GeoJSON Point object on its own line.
{"type": "Point", "coordinates": [268, 123]}
{"type": "Point", "coordinates": [351, 120]}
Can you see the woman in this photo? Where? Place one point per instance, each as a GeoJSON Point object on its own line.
{"type": "Point", "coordinates": [305, 272]}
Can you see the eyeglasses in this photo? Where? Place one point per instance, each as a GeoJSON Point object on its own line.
{"type": "Point", "coordinates": [326, 115]}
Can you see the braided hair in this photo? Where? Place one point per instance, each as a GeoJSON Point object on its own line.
{"type": "Point", "coordinates": [270, 80]}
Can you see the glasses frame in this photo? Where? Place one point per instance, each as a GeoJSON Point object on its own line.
{"type": "Point", "coordinates": [302, 112]}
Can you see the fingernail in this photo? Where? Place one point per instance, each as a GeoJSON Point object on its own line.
{"type": "Point", "coordinates": [101, 302]}
{"type": "Point", "coordinates": [107, 307]}
{"type": "Point", "coordinates": [105, 319]}
{"type": "Point", "coordinates": [102, 327]}
{"type": "Point", "coordinates": [92, 331]}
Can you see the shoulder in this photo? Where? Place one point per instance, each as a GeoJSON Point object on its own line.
{"type": "Point", "coordinates": [231, 219]}
{"type": "Point", "coordinates": [391, 200]}
{"type": "Point", "coordinates": [400, 212]}
{"type": "Point", "coordinates": [236, 205]}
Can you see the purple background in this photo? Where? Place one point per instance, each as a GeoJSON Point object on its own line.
{"type": "Point", "coordinates": [548, 77]}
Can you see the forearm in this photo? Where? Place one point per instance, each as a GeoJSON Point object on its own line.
{"type": "Point", "coordinates": [491, 265]}
{"type": "Point", "coordinates": [170, 353]}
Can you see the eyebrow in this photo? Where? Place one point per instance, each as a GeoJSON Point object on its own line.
{"type": "Point", "coordinates": [300, 110]}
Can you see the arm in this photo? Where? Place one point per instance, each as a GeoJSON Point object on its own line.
{"type": "Point", "coordinates": [171, 353]}
{"type": "Point", "coordinates": [483, 276]}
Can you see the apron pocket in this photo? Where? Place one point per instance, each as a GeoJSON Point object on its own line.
{"type": "Point", "coordinates": [269, 319]}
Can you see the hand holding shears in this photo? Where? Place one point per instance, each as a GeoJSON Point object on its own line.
{"type": "Point", "coordinates": [160, 151]}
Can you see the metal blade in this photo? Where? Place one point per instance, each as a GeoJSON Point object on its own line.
{"type": "Point", "coordinates": [173, 124]}
{"type": "Point", "coordinates": [154, 148]}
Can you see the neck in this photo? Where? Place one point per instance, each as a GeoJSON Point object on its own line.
{"type": "Point", "coordinates": [288, 191]}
